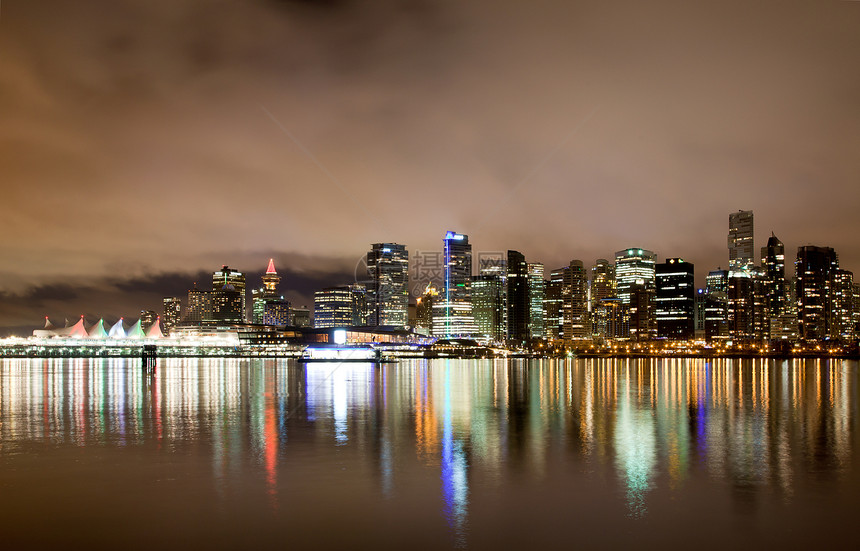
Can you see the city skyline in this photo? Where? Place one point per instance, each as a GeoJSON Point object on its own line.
{"type": "Point", "coordinates": [140, 138]}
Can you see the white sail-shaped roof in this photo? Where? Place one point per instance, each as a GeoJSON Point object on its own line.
{"type": "Point", "coordinates": [48, 324]}
{"type": "Point", "coordinates": [97, 331]}
{"type": "Point", "coordinates": [78, 330]}
{"type": "Point", "coordinates": [154, 332]}
{"type": "Point", "coordinates": [117, 331]}
{"type": "Point", "coordinates": [136, 332]}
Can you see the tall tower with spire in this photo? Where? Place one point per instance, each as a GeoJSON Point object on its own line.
{"type": "Point", "coordinates": [270, 308]}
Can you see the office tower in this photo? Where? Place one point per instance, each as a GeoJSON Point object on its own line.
{"type": "Point", "coordinates": [843, 305]}
{"type": "Point", "coordinates": [537, 292]}
{"type": "Point", "coordinates": [602, 281]}
{"type": "Point", "coordinates": [424, 309]}
{"type": "Point", "coordinates": [388, 289]}
{"type": "Point", "coordinates": [746, 319]}
{"type": "Point", "coordinates": [856, 309]}
{"type": "Point", "coordinates": [716, 305]}
{"type": "Point", "coordinates": [675, 299]}
{"type": "Point", "coordinates": [740, 241]}
{"type": "Point", "coordinates": [699, 314]}
{"type": "Point", "coordinates": [773, 264]}
{"type": "Point", "coordinates": [267, 306]}
{"type": "Point", "coordinates": [518, 297]}
{"type": "Point", "coordinates": [575, 322]}
{"type": "Point", "coordinates": [497, 266]}
{"type": "Point", "coordinates": [488, 307]}
{"type": "Point", "coordinates": [453, 312]}
{"type": "Point", "coordinates": [199, 307]}
{"type": "Point", "coordinates": [635, 268]}
{"type": "Point", "coordinates": [147, 319]}
{"type": "Point", "coordinates": [341, 306]}
{"type": "Point", "coordinates": [553, 305]}
{"type": "Point", "coordinates": [814, 269]}
{"type": "Point", "coordinates": [609, 320]}
{"type": "Point", "coordinates": [224, 305]}
{"type": "Point", "coordinates": [300, 316]}
{"type": "Point", "coordinates": [172, 313]}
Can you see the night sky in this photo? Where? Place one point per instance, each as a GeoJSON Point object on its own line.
{"type": "Point", "coordinates": [145, 144]}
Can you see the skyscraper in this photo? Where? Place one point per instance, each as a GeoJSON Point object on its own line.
{"type": "Point", "coordinates": [843, 305]}
{"type": "Point", "coordinates": [773, 264]}
{"type": "Point", "coordinates": [814, 270]}
{"type": "Point", "coordinates": [634, 272]}
{"type": "Point", "coordinates": [172, 313]}
{"type": "Point", "coordinates": [518, 297]}
{"type": "Point", "coordinates": [553, 305]}
{"type": "Point", "coordinates": [716, 305]}
{"type": "Point", "coordinates": [267, 306]}
{"type": "Point", "coordinates": [488, 307]}
{"type": "Point", "coordinates": [453, 312]}
{"type": "Point", "coordinates": [740, 241]}
{"type": "Point", "coordinates": [601, 288]}
{"type": "Point", "coordinates": [537, 292]}
{"type": "Point", "coordinates": [388, 289]}
{"type": "Point", "coordinates": [675, 299]}
{"type": "Point", "coordinates": [228, 296]}
{"type": "Point", "coordinates": [575, 322]}
{"type": "Point", "coordinates": [199, 307]}
{"type": "Point", "coordinates": [341, 306]}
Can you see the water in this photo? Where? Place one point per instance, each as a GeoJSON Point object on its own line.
{"type": "Point", "coordinates": [228, 453]}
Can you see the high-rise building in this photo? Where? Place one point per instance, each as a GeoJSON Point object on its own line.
{"type": "Point", "coordinates": [488, 307]}
{"type": "Point", "coordinates": [773, 264]}
{"type": "Point", "coordinates": [740, 241]}
{"type": "Point", "coordinates": [814, 269]}
{"type": "Point", "coordinates": [300, 316]}
{"type": "Point", "coordinates": [537, 294]}
{"type": "Point", "coordinates": [746, 316]}
{"type": "Point", "coordinates": [634, 268]}
{"type": "Point", "coordinates": [517, 298]}
{"type": "Point", "coordinates": [341, 306]}
{"type": "Point", "coordinates": [601, 287]}
{"type": "Point", "coordinates": [199, 307]}
{"type": "Point", "coordinates": [267, 306]}
{"type": "Point", "coordinates": [388, 289]}
{"type": "Point", "coordinates": [226, 282]}
{"type": "Point", "coordinates": [147, 319]}
{"type": "Point", "coordinates": [716, 305]}
{"type": "Point", "coordinates": [554, 305]}
{"type": "Point", "coordinates": [172, 313]}
{"type": "Point", "coordinates": [675, 299]}
{"type": "Point", "coordinates": [424, 309]}
{"type": "Point", "coordinates": [843, 305]}
{"type": "Point", "coordinates": [575, 322]}
{"type": "Point", "coordinates": [453, 311]}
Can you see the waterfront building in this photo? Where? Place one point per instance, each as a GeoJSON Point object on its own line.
{"type": "Point", "coordinates": [341, 306]}
{"type": "Point", "coordinates": [553, 305]}
{"type": "Point", "coordinates": [517, 279]}
{"type": "Point", "coordinates": [537, 294]}
{"type": "Point", "coordinates": [488, 307]}
{"type": "Point", "coordinates": [675, 299]}
{"type": "Point", "coordinates": [740, 241]}
{"type": "Point", "coordinates": [453, 311]}
{"type": "Point", "coordinates": [575, 320]}
{"type": "Point", "coordinates": [424, 309]}
{"type": "Point", "coordinates": [267, 306]}
{"type": "Point", "coordinates": [148, 318]}
{"type": "Point", "coordinates": [699, 314]}
{"type": "Point", "coordinates": [716, 305]}
{"type": "Point", "coordinates": [609, 320]}
{"type": "Point", "coordinates": [843, 306]}
{"type": "Point", "coordinates": [784, 328]}
{"type": "Point", "coordinates": [172, 313]}
{"type": "Point", "coordinates": [199, 307]}
{"type": "Point", "coordinates": [388, 288]}
{"type": "Point", "coordinates": [601, 287]}
{"type": "Point", "coordinates": [224, 305]}
{"type": "Point", "coordinates": [746, 316]}
{"type": "Point", "coordinates": [814, 269]}
{"type": "Point", "coordinates": [634, 267]}
{"type": "Point", "coordinates": [300, 316]}
{"type": "Point", "coordinates": [773, 264]}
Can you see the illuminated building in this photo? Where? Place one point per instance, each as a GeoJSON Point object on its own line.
{"type": "Point", "coordinates": [388, 289]}
{"type": "Point", "coordinates": [452, 313]}
{"type": "Point", "coordinates": [488, 307]}
{"type": "Point", "coordinates": [609, 320]}
{"type": "Point", "coordinates": [814, 270]}
{"type": "Point", "coordinates": [172, 315]}
{"type": "Point", "coordinates": [537, 292]}
{"type": "Point", "coordinates": [199, 307]}
{"type": "Point", "coordinates": [574, 306]}
{"type": "Point", "coordinates": [601, 287]}
{"type": "Point", "coordinates": [553, 305]}
{"type": "Point", "coordinates": [675, 299]}
{"type": "Point", "coordinates": [773, 264]}
{"type": "Point", "coordinates": [634, 268]}
{"type": "Point", "coordinates": [424, 309]}
{"type": "Point", "coordinates": [300, 316]}
{"type": "Point", "coordinates": [716, 305]}
{"type": "Point", "coordinates": [267, 306]}
{"type": "Point", "coordinates": [843, 305]}
{"type": "Point", "coordinates": [699, 313]}
{"type": "Point", "coordinates": [740, 241]}
{"type": "Point", "coordinates": [147, 318]}
{"type": "Point", "coordinates": [856, 309]}
{"type": "Point", "coordinates": [746, 316]}
{"type": "Point", "coordinates": [517, 298]}
{"type": "Point", "coordinates": [497, 267]}
{"type": "Point", "coordinates": [225, 282]}
{"type": "Point", "coordinates": [342, 306]}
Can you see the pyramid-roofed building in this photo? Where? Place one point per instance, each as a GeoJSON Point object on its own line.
{"type": "Point", "coordinates": [154, 332]}
{"type": "Point", "coordinates": [78, 330]}
{"type": "Point", "coordinates": [117, 331]}
{"type": "Point", "coordinates": [97, 331]}
{"type": "Point", "coordinates": [136, 332]}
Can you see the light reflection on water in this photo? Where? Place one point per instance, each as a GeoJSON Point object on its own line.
{"type": "Point", "coordinates": [300, 439]}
